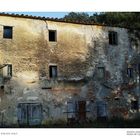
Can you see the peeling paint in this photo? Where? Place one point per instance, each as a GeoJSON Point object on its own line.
{"type": "Point", "coordinates": [78, 53]}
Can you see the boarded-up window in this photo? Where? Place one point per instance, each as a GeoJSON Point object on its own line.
{"type": "Point", "coordinates": [130, 72]}
{"type": "Point", "coordinates": [71, 110]}
{"type": "Point", "coordinates": [52, 35]}
{"type": "Point", "coordinates": [101, 72]}
{"type": "Point", "coordinates": [76, 110]}
{"type": "Point", "coordinates": [134, 105]}
{"type": "Point", "coordinates": [113, 38]}
{"type": "Point", "coordinates": [53, 71]}
{"type": "Point", "coordinates": [29, 113]}
{"type": "Point", "coordinates": [101, 109]}
{"type": "Point", "coordinates": [7, 32]}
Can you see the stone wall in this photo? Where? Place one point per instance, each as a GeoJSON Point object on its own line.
{"type": "Point", "coordinates": [77, 53]}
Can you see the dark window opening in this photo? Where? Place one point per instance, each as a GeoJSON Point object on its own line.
{"type": "Point", "coordinates": [53, 71]}
{"type": "Point", "coordinates": [113, 38]}
{"type": "Point", "coordinates": [52, 35]}
{"type": "Point", "coordinates": [81, 110]}
{"type": "Point", "coordinates": [130, 72]}
{"type": "Point", "coordinates": [134, 105]}
{"type": "Point", "coordinates": [139, 69]}
{"type": "Point", "coordinates": [9, 70]}
{"type": "Point", "coordinates": [2, 87]}
{"type": "Point", "coordinates": [101, 72]}
{"type": "Point", "coordinates": [29, 113]}
{"type": "Point", "coordinates": [7, 32]}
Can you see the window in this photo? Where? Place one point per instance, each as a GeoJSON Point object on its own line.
{"type": "Point", "coordinates": [130, 72]}
{"type": "Point", "coordinates": [139, 69]}
{"type": "Point", "coordinates": [134, 105]}
{"type": "Point", "coordinates": [29, 113]}
{"type": "Point", "coordinates": [53, 71]}
{"type": "Point", "coordinates": [52, 35]}
{"type": "Point", "coordinates": [7, 70]}
{"type": "Point", "coordinates": [71, 110]}
{"type": "Point", "coordinates": [76, 111]}
{"type": "Point", "coordinates": [113, 38]}
{"type": "Point", "coordinates": [7, 32]}
{"type": "Point", "coordinates": [101, 110]}
{"type": "Point", "coordinates": [101, 72]}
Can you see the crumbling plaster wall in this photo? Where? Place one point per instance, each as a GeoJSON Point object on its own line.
{"type": "Point", "coordinates": [78, 52]}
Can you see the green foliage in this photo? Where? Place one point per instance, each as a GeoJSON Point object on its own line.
{"type": "Point", "coordinates": [122, 19]}
{"type": "Point", "coordinates": [72, 16]}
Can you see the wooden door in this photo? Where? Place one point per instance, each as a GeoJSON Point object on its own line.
{"type": "Point", "coordinates": [81, 110]}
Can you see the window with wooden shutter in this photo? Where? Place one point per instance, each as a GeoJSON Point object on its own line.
{"type": "Point", "coordinates": [101, 109]}
{"type": "Point", "coordinates": [71, 109]}
{"type": "Point", "coordinates": [29, 113]}
{"type": "Point", "coordinates": [7, 70]}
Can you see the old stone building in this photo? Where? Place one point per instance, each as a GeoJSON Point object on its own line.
{"type": "Point", "coordinates": [57, 70]}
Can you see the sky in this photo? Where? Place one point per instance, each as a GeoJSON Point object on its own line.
{"type": "Point", "coordinates": [47, 14]}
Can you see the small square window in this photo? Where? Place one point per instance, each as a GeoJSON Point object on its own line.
{"type": "Point", "coordinates": [53, 71]}
{"type": "Point", "coordinates": [7, 32]}
{"type": "Point", "coordinates": [113, 38]}
{"type": "Point", "coordinates": [52, 35]}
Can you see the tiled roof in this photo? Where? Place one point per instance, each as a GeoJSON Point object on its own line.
{"type": "Point", "coordinates": [45, 18]}
{"type": "Point", "coordinates": [55, 19]}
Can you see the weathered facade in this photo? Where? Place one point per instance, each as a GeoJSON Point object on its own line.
{"type": "Point", "coordinates": [55, 70]}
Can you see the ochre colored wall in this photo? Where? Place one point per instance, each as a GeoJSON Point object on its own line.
{"type": "Point", "coordinates": [78, 52]}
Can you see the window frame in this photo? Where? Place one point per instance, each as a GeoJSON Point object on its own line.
{"type": "Point", "coordinates": [51, 73]}
{"type": "Point", "coordinates": [10, 32]}
{"type": "Point", "coordinates": [101, 110]}
{"type": "Point", "coordinates": [113, 38]}
{"type": "Point", "coordinates": [99, 75]}
{"type": "Point", "coordinates": [55, 36]}
{"type": "Point", "coordinates": [9, 70]}
{"type": "Point", "coordinates": [71, 110]}
{"type": "Point", "coordinates": [26, 113]}
{"type": "Point", "coordinates": [130, 72]}
{"type": "Point", "coordinates": [76, 109]}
